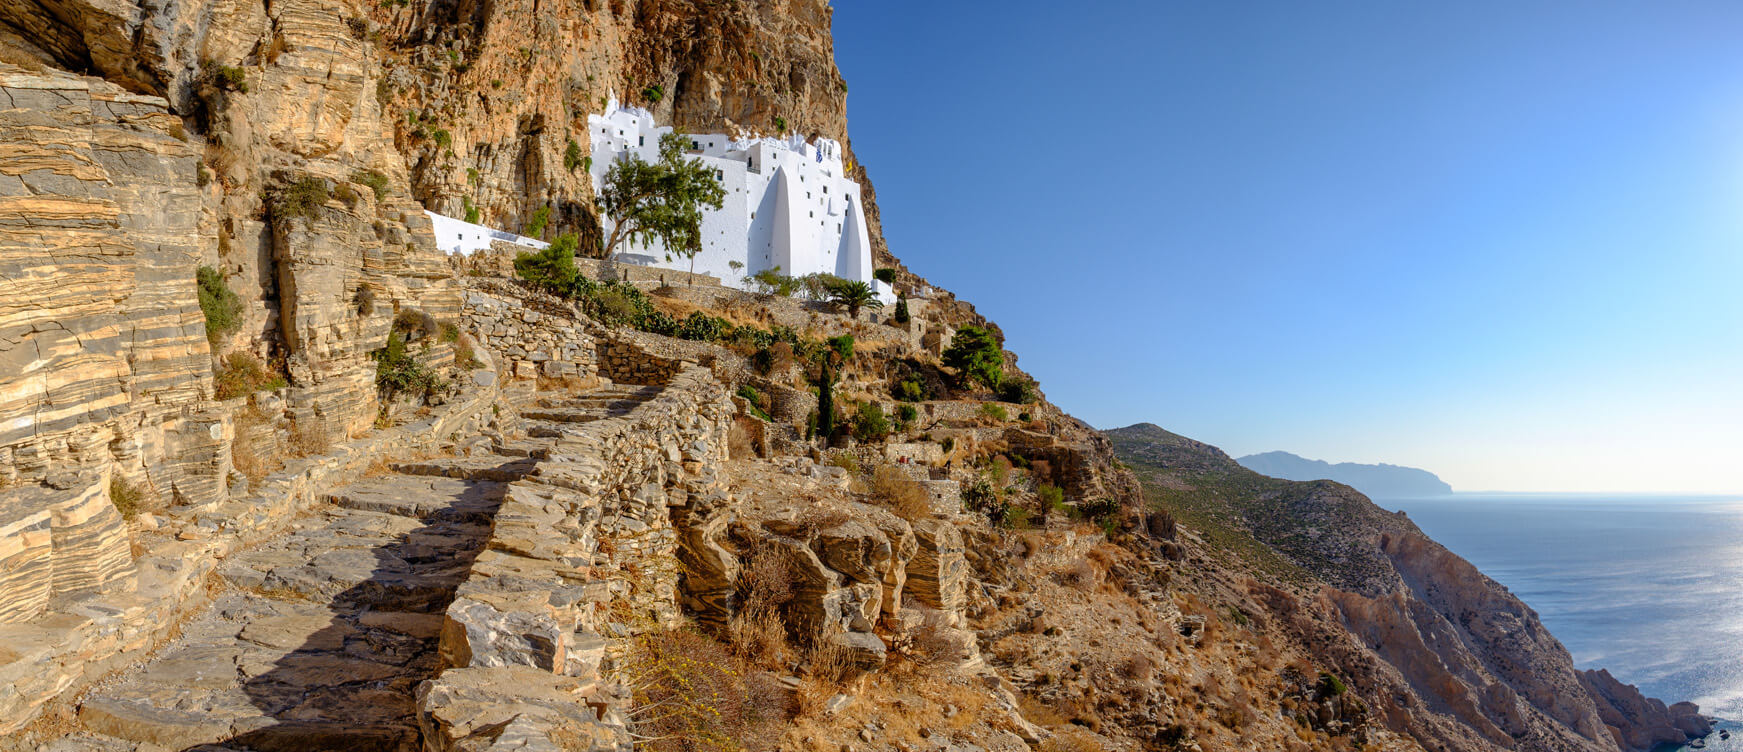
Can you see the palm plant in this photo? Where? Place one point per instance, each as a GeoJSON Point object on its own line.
{"type": "Point", "coordinates": [854, 295]}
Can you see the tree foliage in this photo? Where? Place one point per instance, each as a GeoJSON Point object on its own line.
{"type": "Point", "coordinates": [660, 201]}
{"type": "Point", "coordinates": [976, 354]}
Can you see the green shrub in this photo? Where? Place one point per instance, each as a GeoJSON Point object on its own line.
{"type": "Point", "coordinates": [536, 226]}
{"type": "Point", "coordinates": [1331, 685]}
{"type": "Point", "coordinates": [396, 371]}
{"type": "Point", "coordinates": [472, 214]}
{"type": "Point", "coordinates": [587, 163]}
{"type": "Point", "coordinates": [871, 424]}
{"type": "Point", "coordinates": [1098, 509]}
{"type": "Point", "coordinates": [886, 274]}
{"type": "Point", "coordinates": [976, 355]}
{"type": "Point", "coordinates": [376, 181]}
{"type": "Point", "coordinates": [1052, 497]}
{"type": "Point", "coordinates": [124, 496]}
{"type": "Point", "coordinates": [702, 327]}
{"type": "Point", "coordinates": [1017, 391]}
{"type": "Point", "coordinates": [905, 415]}
{"type": "Point", "coordinates": [982, 498]}
{"type": "Point", "coordinates": [841, 346]}
{"type": "Point", "coordinates": [450, 333]}
{"type": "Point", "coordinates": [472, 178]}
{"type": "Point", "coordinates": [300, 199]}
{"type": "Point", "coordinates": [910, 389]}
{"type": "Point", "coordinates": [572, 156]}
{"type": "Point", "coordinates": [443, 138]}
{"type": "Point", "coordinates": [653, 93]}
{"type": "Point", "coordinates": [993, 410]}
{"type": "Point", "coordinates": [242, 374]}
{"type": "Point", "coordinates": [222, 308]}
{"type": "Point", "coordinates": [900, 315]}
{"type": "Point", "coordinates": [773, 282]}
{"type": "Point", "coordinates": [226, 77]}
{"type": "Point", "coordinates": [755, 398]}
{"type": "Point", "coordinates": [780, 124]}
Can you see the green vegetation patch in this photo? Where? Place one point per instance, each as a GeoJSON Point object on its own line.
{"type": "Point", "coordinates": [222, 308]}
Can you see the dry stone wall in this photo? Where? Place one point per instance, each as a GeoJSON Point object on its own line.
{"type": "Point", "coordinates": [533, 335]}
{"type": "Point", "coordinates": [583, 554]}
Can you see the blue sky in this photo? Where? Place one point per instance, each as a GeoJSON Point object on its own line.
{"type": "Point", "coordinates": [1499, 240]}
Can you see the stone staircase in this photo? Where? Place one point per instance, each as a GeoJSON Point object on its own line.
{"type": "Point", "coordinates": [322, 636]}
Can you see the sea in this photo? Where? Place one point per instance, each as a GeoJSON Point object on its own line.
{"type": "Point", "coordinates": [1649, 587]}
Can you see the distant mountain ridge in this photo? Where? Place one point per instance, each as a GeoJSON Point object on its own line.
{"type": "Point", "coordinates": [1376, 481]}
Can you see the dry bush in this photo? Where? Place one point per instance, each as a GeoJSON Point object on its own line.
{"type": "Point", "coordinates": [1081, 575]}
{"type": "Point", "coordinates": [1073, 740]}
{"type": "Point", "coordinates": [900, 493]}
{"type": "Point", "coordinates": [757, 632]}
{"type": "Point", "coordinates": [22, 60]}
{"type": "Point", "coordinates": [830, 662]}
{"type": "Point", "coordinates": [845, 461]}
{"type": "Point", "coordinates": [1037, 711]}
{"type": "Point", "coordinates": [760, 638]}
{"type": "Point", "coordinates": [308, 438]}
{"type": "Point", "coordinates": [250, 459]}
{"type": "Point", "coordinates": [690, 695]}
{"type": "Point", "coordinates": [240, 373]}
{"type": "Point", "coordinates": [1137, 667]}
{"type": "Point", "coordinates": [818, 518]}
{"type": "Point", "coordinates": [935, 643]}
{"type": "Point", "coordinates": [739, 444]}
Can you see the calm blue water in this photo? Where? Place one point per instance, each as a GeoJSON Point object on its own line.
{"type": "Point", "coordinates": [1649, 587]}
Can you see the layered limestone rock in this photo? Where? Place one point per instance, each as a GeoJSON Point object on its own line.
{"type": "Point", "coordinates": [102, 346]}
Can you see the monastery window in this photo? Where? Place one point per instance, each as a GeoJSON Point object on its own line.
{"type": "Point", "coordinates": [811, 214]}
{"type": "Point", "coordinates": [641, 140]}
{"type": "Point", "coordinates": [826, 189]}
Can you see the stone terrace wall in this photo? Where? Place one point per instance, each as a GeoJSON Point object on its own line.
{"type": "Point", "coordinates": [534, 335]}
{"type": "Point", "coordinates": [583, 552]}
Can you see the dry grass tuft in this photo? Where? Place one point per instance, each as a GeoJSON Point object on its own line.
{"type": "Point", "coordinates": [246, 454]}
{"type": "Point", "coordinates": [308, 437]}
{"type": "Point", "coordinates": [1073, 740]}
{"type": "Point", "coordinates": [900, 493]}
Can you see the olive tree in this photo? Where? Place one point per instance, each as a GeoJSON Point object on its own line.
{"type": "Point", "coordinates": [661, 200]}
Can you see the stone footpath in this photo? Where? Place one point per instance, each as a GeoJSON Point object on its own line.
{"type": "Point", "coordinates": [323, 635]}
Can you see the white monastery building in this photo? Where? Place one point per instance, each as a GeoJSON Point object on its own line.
{"type": "Point", "coordinates": [788, 204]}
{"type": "Point", "coordinates": [456, 236]}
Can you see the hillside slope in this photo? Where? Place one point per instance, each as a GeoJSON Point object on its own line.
{"type": "Point", "coordinates": [1446, 653]}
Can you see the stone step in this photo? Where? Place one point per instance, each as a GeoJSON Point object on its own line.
{"type": "Point", "coordinates": [423, 496]}
{"type": "Point", "coordinates": [482, 468]}
{"type": "Point", "coordinates": [536, 450]}
{"type": "Point", "coordinates": [563, 416]}
{"type": "Point", "coordinates": [265, 674]}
